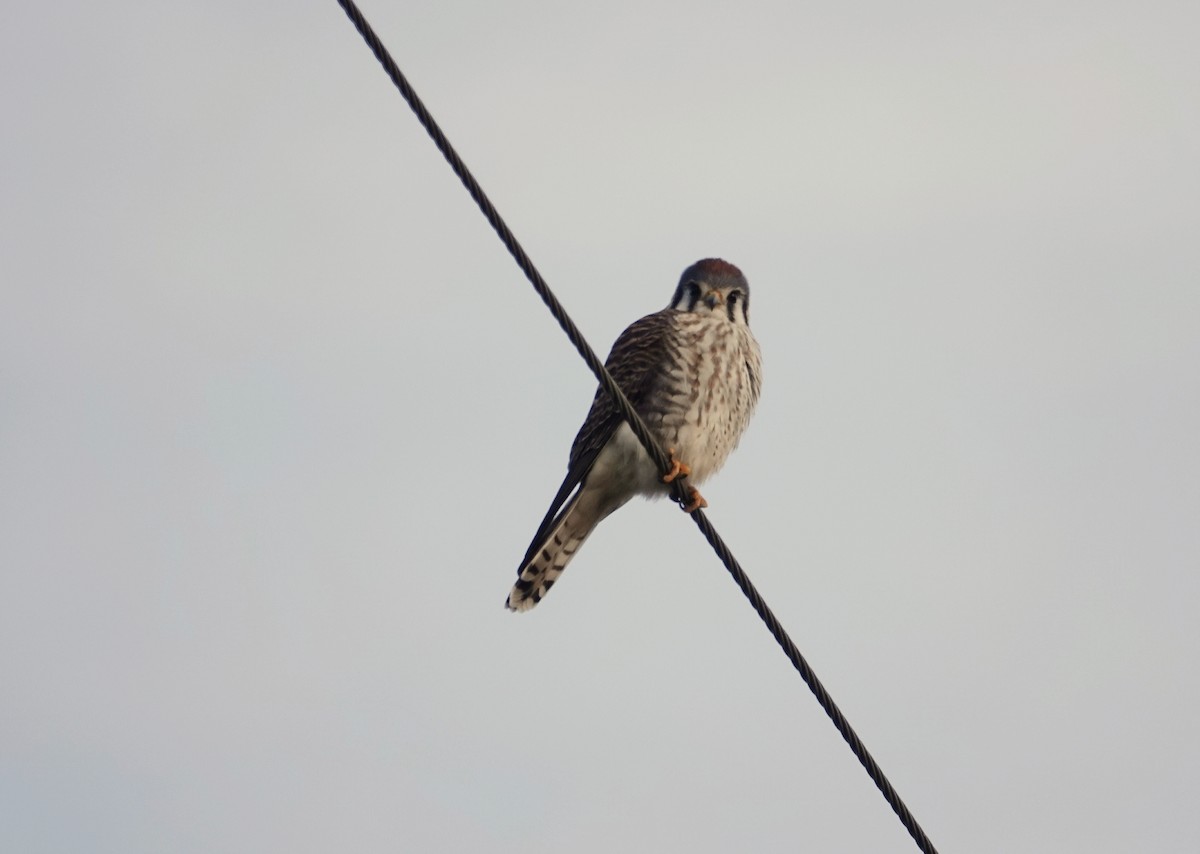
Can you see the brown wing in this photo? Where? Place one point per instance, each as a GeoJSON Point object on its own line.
{"type": "Point", "coordinates": [636, 363]}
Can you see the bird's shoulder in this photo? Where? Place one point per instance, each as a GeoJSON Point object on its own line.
{"type": "Point", "coordinates": [640, 348]}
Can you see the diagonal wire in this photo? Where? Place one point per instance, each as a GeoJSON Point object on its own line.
{"type": "Point", "coordinates": [661, 460]}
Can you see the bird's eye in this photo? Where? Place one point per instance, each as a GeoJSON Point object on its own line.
{"type": "Point", "coordinates": [732, 298]}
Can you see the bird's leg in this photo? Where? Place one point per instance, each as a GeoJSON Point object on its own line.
{"type": "Point", "coordinates": [697, 501]}
{"type": "Point", "coordinates": [681, 469]}
{"type": "Point", "coordinates": [678, 468]}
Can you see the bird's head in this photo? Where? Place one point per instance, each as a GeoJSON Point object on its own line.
{"type": "Point", "coordinates": [713, 286]}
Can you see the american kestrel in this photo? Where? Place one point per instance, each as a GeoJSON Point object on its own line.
{"type": "Point", "coordinates": [693, 372]}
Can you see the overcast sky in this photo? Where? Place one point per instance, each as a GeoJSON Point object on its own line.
{"type": "Point", "coordinates": [278, 417]}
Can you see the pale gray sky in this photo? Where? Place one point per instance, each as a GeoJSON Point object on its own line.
{"type": "Point", "coordinates": [278, 417]}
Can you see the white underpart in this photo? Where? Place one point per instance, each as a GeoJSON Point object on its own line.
{"type": "Point", "coordinates": [716, 394]}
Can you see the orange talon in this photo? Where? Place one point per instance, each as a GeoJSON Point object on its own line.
{"type": "Point", "coordinates": [678, 469]}
{"type": "Point", "coordinates": [697, 501]}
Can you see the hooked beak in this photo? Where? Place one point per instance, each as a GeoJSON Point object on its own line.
{"type": "Point", "coordinates": [714, 298]}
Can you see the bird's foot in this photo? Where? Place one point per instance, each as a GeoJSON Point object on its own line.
{"type": "Point", "coordinates": [678, 468]}
{"type": "Point", "coordinates": [697, 501]}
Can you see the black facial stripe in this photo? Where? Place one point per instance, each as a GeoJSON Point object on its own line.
{"type": "Point", "coordinates": [693, 290]}
{"type": "Point", "coordinates": [732, 300]}
{"type": "Point", "coordinates": [686, 296]}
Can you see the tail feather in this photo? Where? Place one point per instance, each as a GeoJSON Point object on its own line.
{"type": "Point", "coordinates": [549, 558]}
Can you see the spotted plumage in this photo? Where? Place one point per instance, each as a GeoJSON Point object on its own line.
{"type": "Point", "coordinates": [693, 372]}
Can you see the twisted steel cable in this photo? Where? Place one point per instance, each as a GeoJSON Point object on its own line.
{"type": "Point", "coordinates": [660, 458]}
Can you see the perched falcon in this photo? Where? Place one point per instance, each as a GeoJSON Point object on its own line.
{"type": "Point", "coordinates": [693, 372]}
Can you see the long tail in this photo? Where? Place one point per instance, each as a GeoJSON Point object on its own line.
{"type": "Point", "coordinates": [550, 557]}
